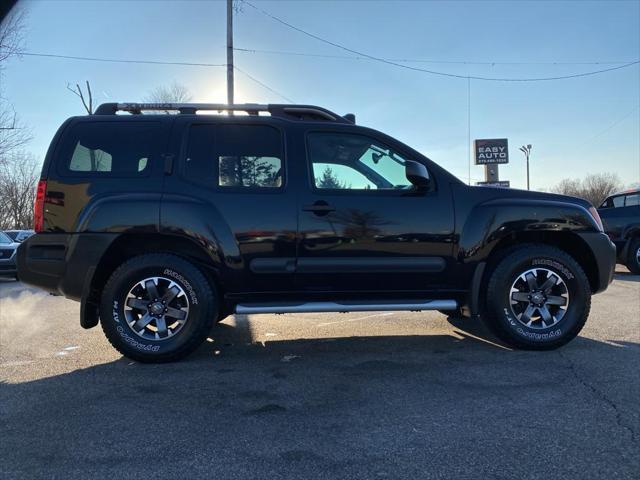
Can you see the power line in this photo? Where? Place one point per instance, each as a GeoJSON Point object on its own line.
{"type": "Point", "coordinates": [155, 62]}
{"type": "Point", "coordinates": [263, 84]}
{"type": "Point", "coordinates": [432, 72]}
{"type": "Point", "coordinates": [117, 60]}
{"type": "Point", "coordinates": [614, 124]}
{"type": "Point", "coordinates": [416, 60]}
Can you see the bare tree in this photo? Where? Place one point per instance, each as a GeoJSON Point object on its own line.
{"type": "Point", "coordinates": [87, 102]}
{"type": "Point", "coordinates": [13, 133]}
{"type": "Point", "coordinates": [12, 34]}
{"type": "Point", "coordinates": [173, 93]}
{"type": "Point", "coordinates": [18, 178]}
{"type": "Point", "coordinates": [595, 187]}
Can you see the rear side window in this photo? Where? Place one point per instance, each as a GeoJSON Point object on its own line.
{"type": "Point", "coordinates": [235, 156]}
{"type": "Point", "coordinates": [632, 200]}
{"type": "Point", "coordinates": [108, 149]}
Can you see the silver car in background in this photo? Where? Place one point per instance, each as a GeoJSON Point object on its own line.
{"type": "Point", "coordinates": [8, 249]}
{"type": "Point", "coordinates": [19, 235]}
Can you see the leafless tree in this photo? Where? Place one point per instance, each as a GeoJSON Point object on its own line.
{"type": "Point", "coordinates": [12, 34]}
{"type": "Point", "coordinates": [13, 133]}
{"type": "Point", "coordinates": [18, 178]}
{"type": "Point", "coordinates": [173, 93]}
{"type": "Point", "coordinates": [87, 101]}
{"type": "Point", "coordinates": [594, 187]}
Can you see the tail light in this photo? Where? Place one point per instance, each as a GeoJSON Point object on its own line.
{"type": "Point", "coordinates": [38, 207]}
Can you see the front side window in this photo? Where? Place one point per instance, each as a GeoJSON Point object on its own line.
{"type": "Point", "coordinates": [106, 148]}
{"type": "Point", "coordinates": [345, 161]}
{"type": "Point", "coordinates": [240, 156]}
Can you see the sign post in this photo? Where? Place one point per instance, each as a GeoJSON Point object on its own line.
{"type": "Point", "coordinates": [491, 153]}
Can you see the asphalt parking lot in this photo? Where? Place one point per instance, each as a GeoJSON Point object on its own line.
{"type": "Point", "coordinates": [368, 395]}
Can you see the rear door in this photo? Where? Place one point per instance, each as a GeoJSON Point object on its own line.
{"type": "Point", "coordinates": [363, 227]}
{"type": "Point", "coordinates": [231, 194]}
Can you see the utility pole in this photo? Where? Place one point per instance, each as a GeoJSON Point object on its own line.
{"type": "Point", "coordinates": [469, 126]}
{"type": "Point", "coordinates": [230, 52]}
{"type": "Point", "coordinates": [526, 149]}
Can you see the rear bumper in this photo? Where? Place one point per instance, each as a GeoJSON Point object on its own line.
{"type": "Point", "coordinates": [62, 263]}
{"type": "Point", "coordinates": [41, 261]}
{"type": "Point", "coordinates": [604, 252]}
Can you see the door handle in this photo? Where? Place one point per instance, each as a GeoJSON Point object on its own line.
{"type": "Point", "coordinates": [319, 208]}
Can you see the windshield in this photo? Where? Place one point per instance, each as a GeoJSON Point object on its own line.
{"type": "Point", "coordinates": [4, 238]}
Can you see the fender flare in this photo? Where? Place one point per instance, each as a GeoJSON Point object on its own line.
{"type": "Point", "coordinates": [491, 222]}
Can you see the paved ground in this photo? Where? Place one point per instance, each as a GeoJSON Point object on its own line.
{"type": "Point", "coordinates": [369, 395]}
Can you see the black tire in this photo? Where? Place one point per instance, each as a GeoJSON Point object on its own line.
{"type": "Point", "coordinates": [197, 294]}
{"type": "Point", "coordinates": [547, 262]}
{"type": "Point", "coordinates": [633, 261]}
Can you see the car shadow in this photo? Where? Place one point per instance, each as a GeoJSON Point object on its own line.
{"type": "Point", "coordinates": [257, 407]}
{"type": "Point", "coordinates": [626, 277]}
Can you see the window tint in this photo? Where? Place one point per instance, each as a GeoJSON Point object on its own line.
{"type": "Point", "coordinates": [109, 148]}
{"type": "Point", "coordinates": [632, 200]}
{"type": "Point", "coordinates": [334, 176]}
{"type": "Point", "coordinates": [235, 156]}
{"type": "Point", "coordinates": [354, 162]}
{"type": "Point", "coordinates": [199, 163]}
{"type": "Point", "coordinates": [618, 201]}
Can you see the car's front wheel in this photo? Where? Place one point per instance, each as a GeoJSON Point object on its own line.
{"type": "Point", "coordinates": [538, 298]}
{"type": "Point", "coordinates": [157, 308]}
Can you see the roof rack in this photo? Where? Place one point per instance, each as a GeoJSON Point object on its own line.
{"type": "Point", "coordinates": [291, 112]}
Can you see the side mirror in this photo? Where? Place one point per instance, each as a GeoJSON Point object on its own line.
{"type": "Point", "coordinates": [416, 173]}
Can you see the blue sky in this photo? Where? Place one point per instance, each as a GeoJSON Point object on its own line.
{"type": "Point", "coordinates": [576, 126]}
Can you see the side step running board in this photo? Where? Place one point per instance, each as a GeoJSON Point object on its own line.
{"type": "Point", "coordinates": [308, 307]}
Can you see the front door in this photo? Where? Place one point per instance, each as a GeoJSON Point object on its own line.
{"type": "Point", "coordinates": [362, 226]}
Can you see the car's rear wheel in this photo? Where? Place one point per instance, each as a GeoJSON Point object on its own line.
{"type": "Point", "coordinates": [538, 298]}
{"type": "Point", "coordinates": [633, 256]}
{"type": "Point", "coordinates": [157, 308]}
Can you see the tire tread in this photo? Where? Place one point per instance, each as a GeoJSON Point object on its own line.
{"type": "Point", "coordinates": [518, 254]}
{"type": "Point", "coordinates": [196, 339]}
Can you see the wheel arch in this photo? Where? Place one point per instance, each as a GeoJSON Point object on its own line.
{"type": "Point", "coordinates": [127, 246]}
{"type": "Point", "coordinates": [569, 242]}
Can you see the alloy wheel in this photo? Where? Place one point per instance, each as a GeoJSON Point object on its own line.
{"type": "Point", "coordinates": [539, 298]}
{"type": "Point", "coordinates": [156, 308]}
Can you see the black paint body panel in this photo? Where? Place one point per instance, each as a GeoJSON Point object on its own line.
{"type": "Point", "coordinates": [263, 245]}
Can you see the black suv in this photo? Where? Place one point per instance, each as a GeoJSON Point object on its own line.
{"type": "Point", "coordinates": [162, 224]}
{"type": "Point", "coordinates": [621, 218]}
